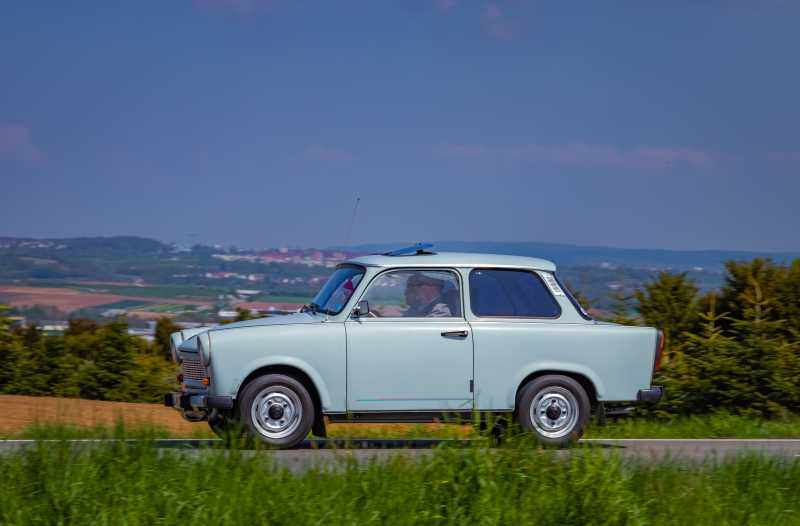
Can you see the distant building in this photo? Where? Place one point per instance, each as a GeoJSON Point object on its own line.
{"type": "Point", "coordinates": [53, 328]}
{"type": "Point", "coordinates": [113, 313]}
{"type": "Point", "coordinates": [247, 292]}
{"type": "Point", "coordinates": [146, 334]}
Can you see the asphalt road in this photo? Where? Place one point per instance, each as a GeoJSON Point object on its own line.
{"type": "Point", "coordinates": [319, 453]}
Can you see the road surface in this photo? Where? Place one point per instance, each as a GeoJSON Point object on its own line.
{"type": "Point", "coordinates": [318, 453]}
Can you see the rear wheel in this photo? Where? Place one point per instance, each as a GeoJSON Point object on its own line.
{"type": "Point", "coordinates": [555, 408]}
{"type": "Point", "coordinates": [277, 410]}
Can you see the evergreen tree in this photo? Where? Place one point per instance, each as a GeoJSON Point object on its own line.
{"type": "Point", "coordinates": [769, 360]}
{"type": "Point", "coordinates": [739, 281]}
{"type": "Point", "coordinates": [33, 370]}
{"type": "Point", "coordinates": [621, 309]}
{"type": "Point", "coordinates": [114, 362]}
{"type": "Point", "coordinates": [9, 352]}
{"type": "Point", "coordinates": [700, 376]}
{"type": "Point", "coordinates": [78, 326]}
{"type": "Point", "coordinates": [787, 301]}
{"type": "Point", "coordinates": [669, 303]}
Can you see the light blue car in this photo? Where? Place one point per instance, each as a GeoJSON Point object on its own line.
{"type": "Point", "coordinates": [414, 336]}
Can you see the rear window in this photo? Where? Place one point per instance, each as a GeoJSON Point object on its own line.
{"type": "Point", "coordinates": [510, 293]}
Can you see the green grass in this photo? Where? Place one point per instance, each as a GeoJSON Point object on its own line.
{"type": "Point", "coordinates": [720, 425]}
{"type": "Point", "coordinates": [157, 291]}
{"type": "Point", "coordinates": [136, 483]}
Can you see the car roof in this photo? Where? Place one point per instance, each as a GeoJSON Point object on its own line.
{"type": "Point", "coordinates": [453, 259]}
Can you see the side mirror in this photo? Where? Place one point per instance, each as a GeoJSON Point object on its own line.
{"type": "Point", "coordinates": [361, 309]}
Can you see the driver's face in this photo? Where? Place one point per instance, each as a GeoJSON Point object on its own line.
{"type": "Point", "coordinates": [420, 294]}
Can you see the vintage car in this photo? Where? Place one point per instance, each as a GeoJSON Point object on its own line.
{"type": "Point", "coordinates": [413, 336]}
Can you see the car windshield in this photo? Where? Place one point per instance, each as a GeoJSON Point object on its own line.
{"type": "Point", "coordinates": [333, 296]}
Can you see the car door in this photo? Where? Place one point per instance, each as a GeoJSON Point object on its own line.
{"type": "Point", "coordinates": [413, 351]}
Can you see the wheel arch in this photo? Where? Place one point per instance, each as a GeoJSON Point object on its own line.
{"type": "Point", "coordinates": [584, 380]}
{"type": "Point", "coordinates": [289, 370]}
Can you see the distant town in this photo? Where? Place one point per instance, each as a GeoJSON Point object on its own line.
{"type": "Point", "coordinates": [46, 282]}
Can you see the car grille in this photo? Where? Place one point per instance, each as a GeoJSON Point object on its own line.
{"type": "Point", "coordinates": [192, 368]}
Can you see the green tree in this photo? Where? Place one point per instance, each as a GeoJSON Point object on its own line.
{"type": "Point", "coordinates": [670, 304]}
{"type": "Point", "coordinates": [114, 362]}
{"type": "Point", "coordinates": [151, 378]}
{"type": "Point", "coordinates": [161, 343]}
{"type": "Point", "coordinates": [787, 301]}
{"type": "Point", "coordinates": [79, 326]}
{"type": "Point", "coordinates": [698, 378]}
{"type": "Point", "coordinates": [621, 309]}
{"type": "Point", "coordinates": [739, 281]}
{"type": "Point", "coordinates": [9, 351]}
{"type": "Point", "coordinates": [243, 314]}
{"type": "Point", "coordinates": [33, 368]}
{"type": "Point", "coordinates": [772, 361]}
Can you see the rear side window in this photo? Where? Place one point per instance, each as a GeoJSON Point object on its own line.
{"type": "Point", "coordinates": [510, 293]}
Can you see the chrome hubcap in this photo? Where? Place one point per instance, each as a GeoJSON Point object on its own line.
{"type": "Point", "coordinates": [554, 412]}
{"type": "Point", "coordinates": [276, 413]}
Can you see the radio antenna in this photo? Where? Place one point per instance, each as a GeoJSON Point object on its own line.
{"type": "Point", "coordinates": [352, 222]}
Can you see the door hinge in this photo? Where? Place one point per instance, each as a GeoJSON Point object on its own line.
{"type": "Point", "coordinates": [471, 385]}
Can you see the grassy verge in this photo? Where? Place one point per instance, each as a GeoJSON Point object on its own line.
{"type": "Point", "coordinates": [135, 483]}
{"type": "Point", "coordinates": [719, 425]}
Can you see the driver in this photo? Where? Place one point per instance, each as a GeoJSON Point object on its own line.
{"type": "Point", "coordinates": [424, 298]}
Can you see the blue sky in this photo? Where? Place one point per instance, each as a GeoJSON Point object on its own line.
{"type": "Point", "coordinates": [258, 123]}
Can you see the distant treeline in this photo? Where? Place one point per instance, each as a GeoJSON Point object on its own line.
{"type": "Point", "coordinates": [98, 362]}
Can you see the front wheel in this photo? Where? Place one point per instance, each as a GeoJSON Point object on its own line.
{"type": "Point", "coordinates": [555, 408]}
{"type": "Point", "coordinates": [277, 410]}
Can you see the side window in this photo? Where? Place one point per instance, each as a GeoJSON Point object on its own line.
{"type": "Point", "coordinates": [415, 294]}
{"type": "Point", "coordinates": [510, 293]}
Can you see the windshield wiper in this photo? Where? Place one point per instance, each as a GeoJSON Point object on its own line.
{"type": "Point", "coordinates": [310, 307]}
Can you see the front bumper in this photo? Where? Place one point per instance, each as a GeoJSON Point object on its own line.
{"type": "Point", "coordinates": [651, 395]}
{"type": "Point", "coordinates": [195, 406]}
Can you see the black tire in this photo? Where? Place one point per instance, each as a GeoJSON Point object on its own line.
{"type": "Point", "coordinates": [293, 413]}
{"type": "Point", "coordinates": [562, 405]}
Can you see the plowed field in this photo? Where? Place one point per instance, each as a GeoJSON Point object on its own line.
{"type": "Point", "coordinates": [21, 412]}
{"type": "Point", "coordinates": [68, 300]}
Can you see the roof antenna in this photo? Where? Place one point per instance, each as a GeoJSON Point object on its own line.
{"type": "Point", "coordinates": [352, 222]}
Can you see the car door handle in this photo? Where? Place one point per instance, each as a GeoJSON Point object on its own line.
{"type": "Point", "coordinates": [455, 334]}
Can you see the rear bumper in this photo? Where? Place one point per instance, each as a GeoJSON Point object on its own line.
{"type": "Point", "coordinates": [651, 395]}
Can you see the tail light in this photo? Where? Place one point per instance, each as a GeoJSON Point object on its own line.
{"type": "Point", "coordinates": [659, 351]}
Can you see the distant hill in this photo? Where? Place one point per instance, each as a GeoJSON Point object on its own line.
{"type": "Point", "coordinates": [575, 255]}
{"type": "Point", "coordinates": [212, 272]}
{"type": "Point", "coordinates": [84, 246]}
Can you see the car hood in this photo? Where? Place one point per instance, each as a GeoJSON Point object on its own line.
{"type": "Point", "coordinates": [282, 319]}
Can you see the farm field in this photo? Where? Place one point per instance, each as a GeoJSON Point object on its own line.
{"type": "Point", "coordinates": [88, 417]}
{"type": "Point", "coordinates": [21, 413]}
{"type": "Point", "coordinates": [69, 299]}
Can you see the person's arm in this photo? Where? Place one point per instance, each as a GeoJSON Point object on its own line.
{"type": "Point", "coordinates": [440, 310]}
